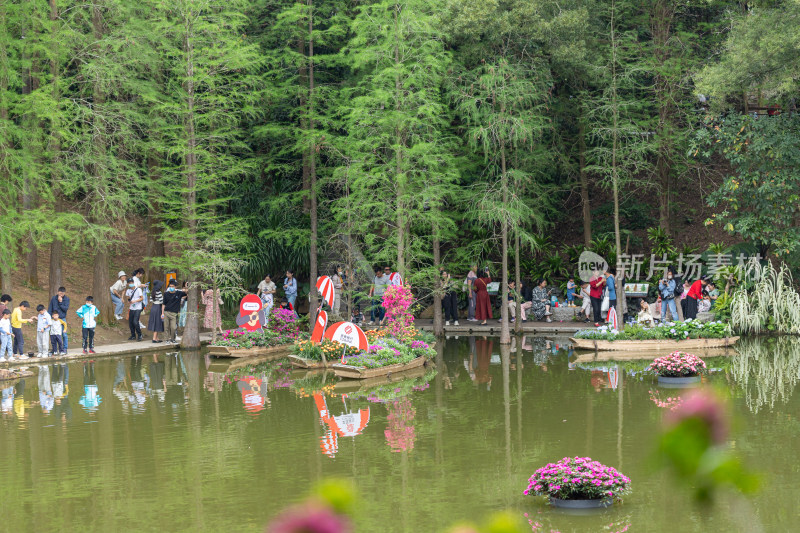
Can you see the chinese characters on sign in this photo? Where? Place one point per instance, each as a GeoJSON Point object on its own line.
{"type": "Point", "coordinates": [689, 266]}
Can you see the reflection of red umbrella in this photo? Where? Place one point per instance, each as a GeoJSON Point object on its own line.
{"type": "Point", "coordinates": [326, 289]}
{"type": "Point", "coordinates": [613, 377]}
{"type": "Point", "coordinates": [347, 333]}
{"type": "Point", "coordinates": [319, 327]}
{"type": "Point", "coordinates": [344, 425]}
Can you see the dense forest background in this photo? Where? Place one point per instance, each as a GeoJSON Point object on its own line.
{"type": "Point", "coordinates": [410, 133]}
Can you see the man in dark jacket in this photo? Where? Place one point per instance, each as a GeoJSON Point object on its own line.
{"type": "Point", "coordinates": [60, 304]}
{"type": "Point", "coordinates": [171, 309]}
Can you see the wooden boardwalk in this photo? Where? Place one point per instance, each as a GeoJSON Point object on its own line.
{"type": "Point", "coordinates": [493, 327]}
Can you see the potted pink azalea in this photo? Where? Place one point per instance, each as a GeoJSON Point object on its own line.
{"type": "Point", "coordinates": [578, 483]}
{"type": "Point", "coordinates": [678, 369]}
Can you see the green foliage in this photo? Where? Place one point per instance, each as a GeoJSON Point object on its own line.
{"type": "Point", "coordinates": [759, 199]}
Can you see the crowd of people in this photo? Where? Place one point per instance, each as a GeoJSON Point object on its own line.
{"type": "Point", "coordinates": [52, 335]}
{"type": "Point", "coordinates": [167, 305]}
{"type": "Point", "coordinates": [677, 300]}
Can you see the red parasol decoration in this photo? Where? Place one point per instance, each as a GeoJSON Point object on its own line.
{"type": "Point", "coordinates": [349, 334]}
{"type": "Point", "coordinates": [326, 289]}
{"type": "Point", "coordinates": [319, 327]}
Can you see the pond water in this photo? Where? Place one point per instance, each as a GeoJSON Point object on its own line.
{"type": "Point", "coordinates": [167, 443]}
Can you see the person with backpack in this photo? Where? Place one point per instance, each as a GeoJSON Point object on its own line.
{"type": "Point", "coordinates": [680, 293]}
{"type": "Point", "coordinates": [666, 288]}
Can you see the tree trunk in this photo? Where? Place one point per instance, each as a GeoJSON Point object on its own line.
{"type": "Point", "coordinates": [30, 84]}
{"type": "Point", "coordinates": [100, 287]}
{"type": "Point", "coordinates": [5, 269]}
{"type": "Point", "coordinates": [614, 170]}
{"type": "Point", "coordinates": [56, 277]}
{"type": "Point", "coordinates": [584, 179]}
{"type": "Point", "coordinates": [191, 333]}
{"type": "Point", "coordinates": [100, 280]}
{"type": "Point", "coordinates": [661, 17]}
{"type": "Point", "coordinates": [518, 282]}
{"type": "Point", "coordinates": [303, 81]}
{"type": "Point", "coordinates": [399, 180]}
{"type": "Point", "coordinates": [31, 252]}
{"type": "Point", "coordinates": [438, 326]}
{"type": "Point", "coordinates": [312, 248]}
{"type": "Point", "coordinates": [154, 248]}
{"type": "Point", "coordinates": [505, 333]}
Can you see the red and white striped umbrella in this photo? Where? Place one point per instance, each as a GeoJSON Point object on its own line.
{"type": "Point", "coordinates": [319, 327]}
{"type": "Point", "coordinates": [395, 278]}
{"type": "Point", "coordinates": [347, 333]}
{"type": "Point", "coordinates": [326, 289]}
{"type": "Point", "coordinates": [612, 318]}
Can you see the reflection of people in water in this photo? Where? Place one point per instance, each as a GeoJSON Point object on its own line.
{"type": "Point", "coordinates": [158, 384]}
{"type": "Point", "coordinates": [483, 354]}
{"type": "Point", "coordinates": [175, 378]}
{"type": "Point", "coordinates": [254, 393]}
{"type": "Point", "coordinates": [19, 399]}
{"type": "Point", "coordinates": [60, 380]}
{"type": "Point", "coordinates": [91, 400]}
{"type": "Point", "coordinates": [120, 386]}
{"type": "Point", "coordinates": [140, 382]}
{"type": "Point", "coordinates": [46, 399]}
{"type": "Point", "coordinates": [7, 404]}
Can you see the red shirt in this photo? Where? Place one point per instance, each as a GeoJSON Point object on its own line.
{"type": "Point", "coordinates": [596, 287]}
{"type": "Point", "coordinates": [696, 290]}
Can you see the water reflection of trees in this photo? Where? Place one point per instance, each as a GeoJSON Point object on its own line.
{"type": "Point", "coordinates": [766, 369]}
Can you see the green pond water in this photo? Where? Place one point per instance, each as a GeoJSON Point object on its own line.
{"type": "Point", "coordinates": [169, 443]}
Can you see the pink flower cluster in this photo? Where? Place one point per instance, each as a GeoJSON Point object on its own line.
{"type": "Point", "coordinates": [232, 333]}
{"type": "Point", "coordinates": [667, 403]}
{"type": "Point", "coordinates": [284, 321]}
{"type": "Point", "coordinates": [577, 478]}
{"type": "Point", "coordinates": [397, 300]}
{"type": "Point", "coordinates": [678, 364]}
{"type": "Point", "coordinates": [708, 408]}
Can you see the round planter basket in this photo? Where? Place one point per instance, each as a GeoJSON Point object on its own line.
{"type": "Point", "coordinates": [687, 381]}
{"type": "Point", "coordinates": [601, 503]}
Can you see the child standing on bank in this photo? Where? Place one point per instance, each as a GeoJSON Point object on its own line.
{"type": "Point", "coordinates": [43, 323]}
{"type": "Point", "coordinates": [57, 329]}
{"type": "Point", "coordinates": [88, 312]}
{"type": "Point", "coordinates": [571, 292]}
{"type": "Point", "coordinates": [6, 336]}
{"type": "Point", "coordinates": [16, 328]}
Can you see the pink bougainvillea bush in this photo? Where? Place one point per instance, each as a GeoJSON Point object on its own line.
{"type": "Point", "coordinates": [397, 301]}
{"type": "Point", "coordinates": [578, 478]}
{"type": "Point", "coordinates": [284, 322]}
{"type": "Point", "coordinates": [678, 365]}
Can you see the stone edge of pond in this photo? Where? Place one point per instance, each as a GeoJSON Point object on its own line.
{"type": "Point", "coordinates": [110, 350]}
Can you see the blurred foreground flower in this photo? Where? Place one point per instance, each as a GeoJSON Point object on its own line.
{"type": "Point", "coordinates": [693, 446]}
{"type": "Point", "coordinates": [310, 518]}
{"type": "Point", "coordinates": [325, 512]}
